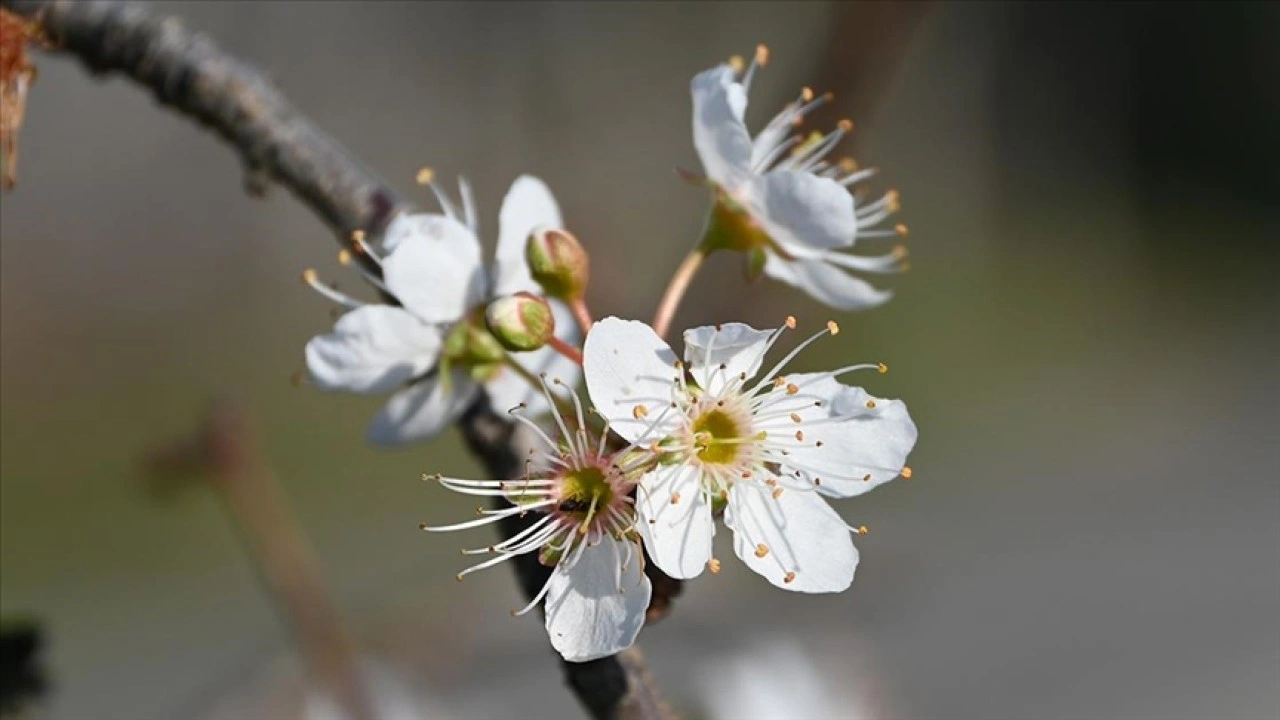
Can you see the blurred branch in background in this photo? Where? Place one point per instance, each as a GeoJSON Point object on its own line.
{"type": "Point", "coordinates": [191, 75]}
{"type": "Point", "coordinates": [866, 43]}
{"type": "Point", "coordinates": [224, 451]}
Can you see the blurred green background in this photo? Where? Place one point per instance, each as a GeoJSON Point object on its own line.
{"type": "Point", "coordinates": [1087, 340]}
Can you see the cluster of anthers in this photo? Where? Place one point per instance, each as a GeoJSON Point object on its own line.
{"type": "Point", "coordinates": [582, 493]}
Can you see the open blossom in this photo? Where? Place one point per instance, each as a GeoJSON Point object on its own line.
{"type": "Point", "coordinates": [781, 199]}
{"type": "Point", "coordinates": [767, 450]}
{"type": "Point", "coordinates": [579, 490]}
{"type": "Point", "coordinates": [430, 263]}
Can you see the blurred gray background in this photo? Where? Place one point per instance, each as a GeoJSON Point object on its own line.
{"type": "Point", "coordinates": [1087, 340]}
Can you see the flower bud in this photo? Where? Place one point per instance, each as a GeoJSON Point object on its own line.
{"type": "Point", "coordinates": [520, 322]}
{"type": "Point", "coordinates": [557, 262]}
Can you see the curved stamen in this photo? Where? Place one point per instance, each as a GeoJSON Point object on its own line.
{"type": "Point", "coordinates": [312, 278]}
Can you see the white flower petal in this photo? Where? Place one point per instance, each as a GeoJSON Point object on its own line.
{"type": "Point", "coordinates": [628, 366]}
{"type": "Point", "coordinates": [423, 410]}
{"type": "Point", "coordinates": [435, 271]}
{"type": "Point", "coordinates": [529, 204]}
{"type": "Point", "coordinates": [800, 534]}
{"type": "Point", "coordinates": [675, 520]}
{"type": "Point", "coordinates": [858, 454]}
{"type": "Point", "coordinates": [403, 226]}
{"type": "Point", "coordinates": [740, 348]}
{"type": "Point", "coordinates": [596, 608]}
{"type": "Point", "coordinates": [372, 349]}
{"type": "Point", "coordinates": [815, 393]}
{"type": "Point", "coordinates": [801, 211]}
{"type": "Point", "coordinates": [826, 283]}
{"type": "Point", "coordinates": [719, 134]}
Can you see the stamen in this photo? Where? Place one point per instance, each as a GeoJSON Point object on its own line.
{"type": "Point", "coordinates": [312, 278]}
{"type": "Point", "coordinates": [362, 247]}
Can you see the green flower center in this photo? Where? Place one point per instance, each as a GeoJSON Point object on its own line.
{"type": "Point", "coordinates": [717, 437]}
{"type": "Point", "coordinates": [731, 227]}
{"type": "Point", "coordinates": [582, 488]}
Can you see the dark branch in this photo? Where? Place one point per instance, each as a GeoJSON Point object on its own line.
{"type": "Point", "coordinates": [191, 75]}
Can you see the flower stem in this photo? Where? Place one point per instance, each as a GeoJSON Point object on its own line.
{"type": "Point", "coordinates": [581, 314]}
{"type": "Point", "coordinates": [676, 289]}
{"type": "Point", "coordinates": [565, 349]}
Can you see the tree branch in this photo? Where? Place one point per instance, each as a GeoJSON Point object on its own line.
{"type": "Point", "coordinates": [191, 75]}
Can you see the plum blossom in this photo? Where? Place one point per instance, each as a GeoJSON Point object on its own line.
{"type": "Point", "coordinates": [580, 492]}
{"type": "Point", "coordinates": [432, 350]}
{"type": "Point", "coordinates": [780, 199]}
{"type": "Point", "coordinates": [767, 451]}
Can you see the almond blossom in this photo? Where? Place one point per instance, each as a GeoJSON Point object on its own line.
{"type": "Point", "coordinates": [767, 451]}
{"type": "Point", "coordinates": [780, 198]}
{"type": "Point", "coordinates": [580, 491]}
{"type": "Point", "coordinates": [431, 350]}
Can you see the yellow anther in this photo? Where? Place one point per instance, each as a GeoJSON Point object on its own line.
{"type": "Point", "coordinates": [791, 322]}
{"type": "Point", "coordinates": [357, 236]}
{"type": "Point", "coordinates": [344, 256]}
{"type": "Point", "coordinates": [795, 418]}
{"type": "Point", "coordinates": [806, 93]}
{"type": "Point", "coordinates": [883, 368]}
{"type": "Point", "coordinates": [789, 577]}
{"type": "Point", "coordinates": [713, 565]}
{"type": "Point", "coordinates": [900, 252]}
{"type": "Point", "coordinates": [862, 530]}
{"type": "Point", "coordinates": [310, 276]}
{"type": "Point", "coordinates": [639, 411]}
{"type": "Point", "coordinates": [761, 550]}
{"type": "Point", "coordinates": [871, 404]}
{"type": "Point", "coordinates": [425, 176]}
{"type": "Point", "coordinates": [848, 164]}
{"type": "Point", "coordinates": [892, 201]}
{"type": "Point", "coordinates": [902, 231]}
{"type": "Point", "coordinates": [762, 54]}
{"type": "Point", "coordinates": [800, 436]}
{"type": "Point", "coordinates": [906, 473]}
{"type": "Point", "coordinates": [845, 125]}
{"type": "Point", "coordinates": [737, 63]}
{"type": "Point", "coordinates": [777, 493]}
{"type": "Point", "coordinates": [792, 389]}
{"type": "Point", "coordinates": [832, 327]}
{"type": "Point", "coordinates": [675, 498]}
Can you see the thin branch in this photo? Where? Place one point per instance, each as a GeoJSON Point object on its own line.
{"type": "Point", "coordinates": [191, 75]}
{"type": "Point", "coordinates": [224, 451]}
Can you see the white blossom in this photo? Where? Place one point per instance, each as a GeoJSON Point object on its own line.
{"type": "Point", "coordinates": [767, 451]}
{"type": "Point", "coordinates": [580, 492]}
{"type": "Point", "coordinates": [431, 350]}
{"type": "Point", "coordinates": [780, 198]}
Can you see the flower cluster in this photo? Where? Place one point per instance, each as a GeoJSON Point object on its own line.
{"type": "Point", "coordinates": [669, 446]}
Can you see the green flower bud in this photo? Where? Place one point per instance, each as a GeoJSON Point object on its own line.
{"type": "Point", "coordinates": [558, 263]}
{"type": "Point", "coordinates": [520, 322]}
